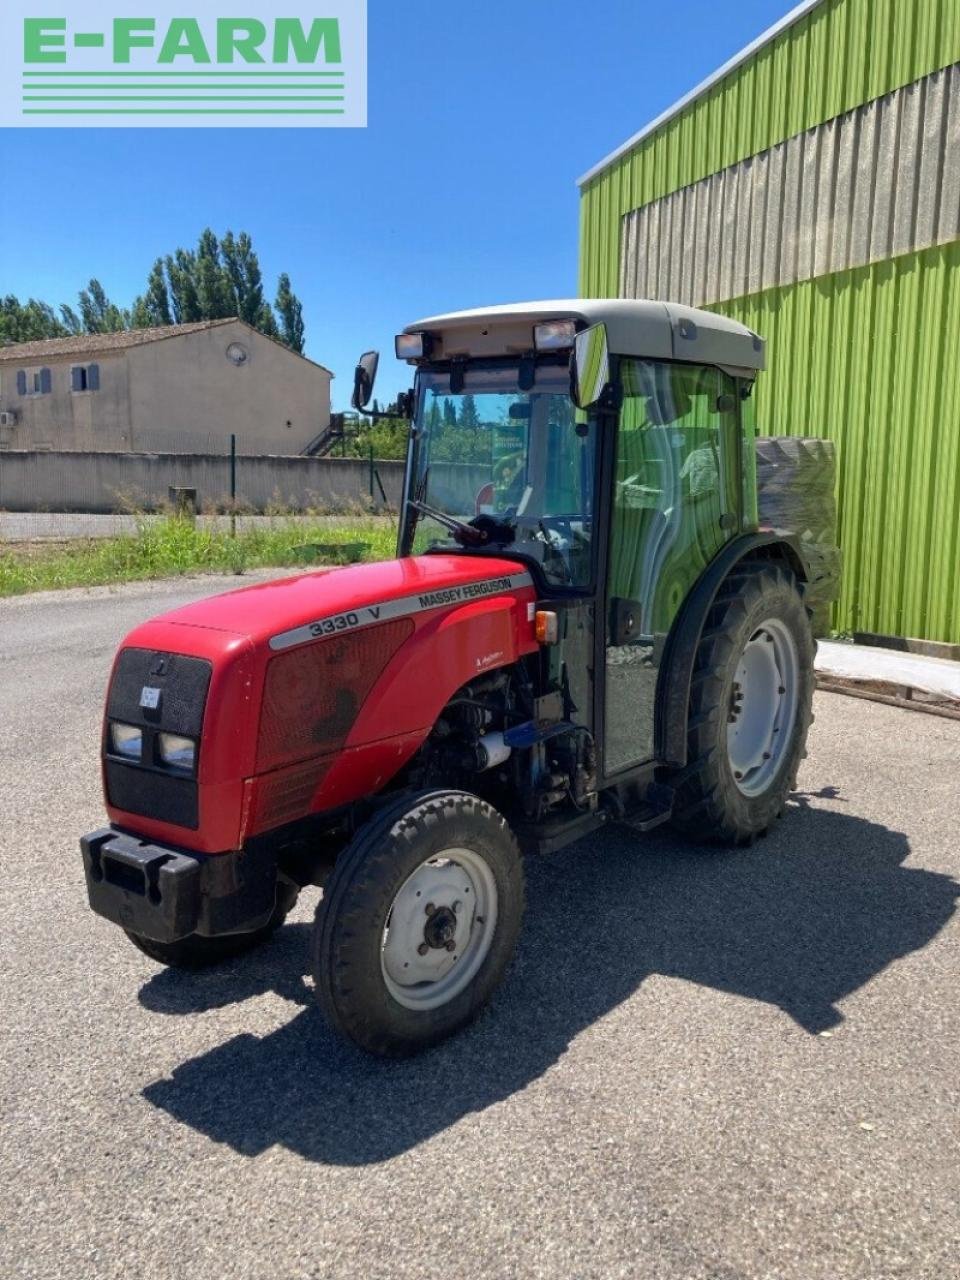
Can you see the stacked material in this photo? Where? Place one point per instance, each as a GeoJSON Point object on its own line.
{"type": "Point", "coordinates": [796, 493]}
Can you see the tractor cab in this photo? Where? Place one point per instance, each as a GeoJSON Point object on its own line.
{"type": "Point", "coordinates": [604, 444]}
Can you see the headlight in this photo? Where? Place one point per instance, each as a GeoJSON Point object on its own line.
{"type": "Point", "coordinates": [176, 751]}
{"type": "Point", "coordinates": [126, 740]}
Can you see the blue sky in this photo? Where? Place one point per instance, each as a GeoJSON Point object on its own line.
{"type": "Point", "coordinates": [461, 190]}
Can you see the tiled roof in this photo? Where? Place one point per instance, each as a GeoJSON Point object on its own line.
{"type": "Point", "coordinates": [84, 343]}
{"type": "Point", "coordinates": [98, 343]}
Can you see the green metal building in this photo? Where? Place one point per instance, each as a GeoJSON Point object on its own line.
{"type": "Point", "coordinates": [811, 189]}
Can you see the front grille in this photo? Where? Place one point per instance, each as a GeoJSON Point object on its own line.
{"type": "Point", "coordinates": [183, 684]}
{"type": "Point", "coordinates": [152, 794]}
{"type": "Point", "coordinates": [285, 795]}
{"type": "Point", "coordinates": [312, 694]}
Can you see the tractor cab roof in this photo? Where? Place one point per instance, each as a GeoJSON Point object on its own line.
{"type": "Point", "coordinates": [656, 330]}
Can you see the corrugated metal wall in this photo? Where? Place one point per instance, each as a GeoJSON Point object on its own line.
{"type": "Point", "coordinates": [843, 53]}
{"type": "Point", "coordinates": [868, 357]}
{"type": "Point", "coordinates": [879, 181]}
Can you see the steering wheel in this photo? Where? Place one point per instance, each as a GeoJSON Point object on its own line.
{"type": "Point", "coordinates": [556, 536]}
{"type": "Point", "coordinates": [562, 527]}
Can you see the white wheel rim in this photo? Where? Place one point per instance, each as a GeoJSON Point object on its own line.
{"type": "Point", "coordinates": [450, 899]}
{"type": "Point", "coordinates": [763, 707]}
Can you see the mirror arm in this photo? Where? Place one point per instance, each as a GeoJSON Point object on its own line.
{"type": "Point", "coordinates": [372, 413]}
{"type": "Point", "coordinates": [404, 408]}
{"type": "Point", "coordinates": [612, 397]}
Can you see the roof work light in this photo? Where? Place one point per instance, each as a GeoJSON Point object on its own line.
{"type": "Point", "coordinates": [554, 335]}
{"type": "Point", "coordinates": [413, 346]}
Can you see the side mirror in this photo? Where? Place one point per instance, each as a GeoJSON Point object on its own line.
{"type": "Point", "coordinates": [589, 366]}
{"type": "Point", "coordinates": [364, 377]}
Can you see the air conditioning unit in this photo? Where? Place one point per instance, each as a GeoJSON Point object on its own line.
{"type": "Point", "coordinates": [8, 417]}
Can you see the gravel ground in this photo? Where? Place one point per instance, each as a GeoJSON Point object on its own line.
{"type": "Point", "coordinates": [726, 1066]}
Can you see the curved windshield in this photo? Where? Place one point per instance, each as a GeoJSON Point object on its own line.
{"type": "Point", "coordinates": [515, 467]}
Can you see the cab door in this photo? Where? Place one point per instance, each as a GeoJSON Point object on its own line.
{"type": "Point", "coordinates": [675, 503]}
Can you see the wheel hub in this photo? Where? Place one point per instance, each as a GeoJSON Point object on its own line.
{"type": "Point", "coordinates": [439, 929]}
{"type": "Point", "coordinates": [763, 706]}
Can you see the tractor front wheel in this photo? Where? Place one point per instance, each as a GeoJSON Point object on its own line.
{"type": "Point", "coordinates": [750, 708]}
{"type": "Point", "coordinates": [418, 922]}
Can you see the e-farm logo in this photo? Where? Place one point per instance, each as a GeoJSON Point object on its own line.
{"type": "Point", "coordinates": [149, 66]}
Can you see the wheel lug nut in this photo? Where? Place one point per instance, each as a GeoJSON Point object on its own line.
{"type": "Point", "coordinates": [422, 949]}
{"type": "Point", "coordinates": [429, 908]}
{"type": "Point", "coordinates": [458, 905]}
{"type": "Point", "coordinates": [451, 945]}
{"type": "Point", "coordinates": [737, 774]}
{"type": "Point", "coordinates": [766, 755]}
{"type": "Point", "coordinates": [781, 690]}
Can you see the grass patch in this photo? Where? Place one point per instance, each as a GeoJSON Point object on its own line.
{"type": "Point", "coordinates": [167, 547]}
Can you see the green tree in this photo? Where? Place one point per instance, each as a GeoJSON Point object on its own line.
{"type": "Point", "coordinates": [71, 321]}
{"type": "Point", "coordinates": [181, 277]}
{"type": "Point", "coordinates": [388, 437]}
{"type": "Point", "coordinates": [290, 311]}
{"type": "Point", "coordinates": [214, 293]}
{"type": "Point", "coordinates": [139, 315]}
{"type": "Point", "coordinates": [157, 299]}
{"type": "Point", "coordinates": [267, 322]}
{"type": "Point", "coordinates": [242, 268]}
{"type": "Point", "coordinates": [28, 321]}
{"type": "Point", "coordinates": [469, 418]}
{"type": "Point", "coordinates": [218, 279]}
{"type": "Point", "coordinates": [98, 313]}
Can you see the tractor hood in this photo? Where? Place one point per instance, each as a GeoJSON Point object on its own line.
{"type": "Point", "coordinates": [293, 611]}
{"type": "Point", "coordinates": [305, 693]}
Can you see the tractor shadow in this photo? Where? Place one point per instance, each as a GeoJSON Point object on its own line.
{"type": "Point", "coordinates": [799, 922]}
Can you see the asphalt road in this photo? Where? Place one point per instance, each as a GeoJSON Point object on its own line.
{"type": "Point", "coordinates": [725, 1066]}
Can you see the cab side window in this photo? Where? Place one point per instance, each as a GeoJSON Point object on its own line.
{"type": "Point", "coordinates": [675, 482]}
{"type": "Point", "coordinates": [675, 503]}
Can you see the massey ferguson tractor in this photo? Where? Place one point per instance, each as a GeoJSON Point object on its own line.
{"type": "Point", "coordinates": [584, 625]}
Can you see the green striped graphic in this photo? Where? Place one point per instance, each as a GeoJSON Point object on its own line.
{"type": "Point", "coordinates": [72, 91]}
{"type": "Point", "coordinates": [183, 111]}
{"type": "Point", "coordinates": [184, 97]}
{"type": "Point", "coordinates": [33, 74]}
{"type": "Point", "coordinates": [75, 90]}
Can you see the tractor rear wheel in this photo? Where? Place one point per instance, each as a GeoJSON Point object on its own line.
{"type": "Point", "coordinates": [750, 708]}
{"type": "Point", "coordinates": [418, 922]}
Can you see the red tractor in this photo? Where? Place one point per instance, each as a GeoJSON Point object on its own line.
{"type": "Point", "coordinates": [583, 625]}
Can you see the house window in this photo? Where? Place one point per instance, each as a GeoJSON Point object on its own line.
{"type": "Point", "coordinates": [85, 377]}
{"type": "Point", "coordinates": [33, 382]}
